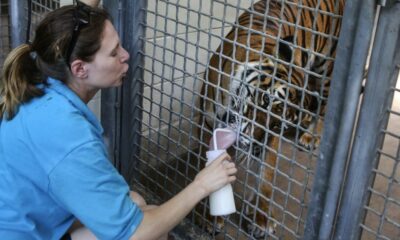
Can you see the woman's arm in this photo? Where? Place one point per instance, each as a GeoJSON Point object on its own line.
{"type": "Point", "coordinates": [160, 220]}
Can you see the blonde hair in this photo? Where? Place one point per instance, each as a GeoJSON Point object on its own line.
{"type": "Point", "coordinates": [18, 78]}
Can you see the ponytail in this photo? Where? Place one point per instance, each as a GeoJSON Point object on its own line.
{"type": "Point", "coordinates": [19, 81]}
{"type": "Point", "coordinates": [22, 73]}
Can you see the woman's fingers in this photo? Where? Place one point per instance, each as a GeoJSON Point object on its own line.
{"type": "Point", "coordinates": [232, 170]}
{"type": "Point", "coordinates": [221, 158]}
{"type": "Point", "coordinates": [231, 178]}
{"type": "Point", "coordinates": [224, 161]}
{"type": "Point", "coordinates": [228, 168]}
{"type": "Point", "coordinates": [216, 175]}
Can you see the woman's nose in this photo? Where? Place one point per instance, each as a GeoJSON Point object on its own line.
{"type": "Point", "coordinates": [125, 55]}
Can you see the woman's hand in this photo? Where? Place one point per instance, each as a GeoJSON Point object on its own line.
{"type": "Point", "coordinates": [159, 220]}
{"type": "Point", "coordinates": [216, 175]}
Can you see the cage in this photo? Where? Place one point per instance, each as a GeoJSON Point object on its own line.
{"type": "Point", "coordinates": [264, 68]}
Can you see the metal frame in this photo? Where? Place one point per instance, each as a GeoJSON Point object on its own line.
{"type": "Point", "coordinates": [358, 22]}
{"type": "Point", "coordinates": [373, 117]}
{"type": "Point", "coordinates": [18, 17]}
{"type": "Point", "coordinates": [121, 107]}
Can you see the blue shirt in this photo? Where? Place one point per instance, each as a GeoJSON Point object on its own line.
{"type": "Point", "coordinates": [54, 168]}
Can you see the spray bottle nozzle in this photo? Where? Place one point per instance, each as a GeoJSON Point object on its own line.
{"type": "Point", "coordinates": [222, 138]}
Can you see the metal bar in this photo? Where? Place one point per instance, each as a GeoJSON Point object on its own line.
{"type": "Point", "coordinates": [18, 22]}
{"type": "Point", "coordinates": [126, 102]}
{"type": "Point", "coordinates": [352, 51]}
{"type": "Point", "coordinates": [364, 31]}
{"type": "Point", "coordinates": [29, 22]}
{"type": "Point", "coordinates": [111, 98]}
{"type": "Point", "coordinates": [381, 77]}
{"type": "Point", "coordinates": [134, 18]}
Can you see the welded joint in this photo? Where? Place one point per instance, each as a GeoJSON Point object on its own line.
{"type": "Point", "coordinates": [117, 105]}
{"type": "Point", "coordinates": [382, 3]}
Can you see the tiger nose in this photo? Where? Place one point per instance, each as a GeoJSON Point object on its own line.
{"type": "Point", "coordinates": [266, 100]}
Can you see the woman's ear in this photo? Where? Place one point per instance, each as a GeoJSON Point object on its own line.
{"type": "Point", "coordinates": [79, 69]}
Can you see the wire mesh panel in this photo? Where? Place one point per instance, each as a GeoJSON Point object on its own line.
{"type": "Point", "coordinates": [382, 217]}
{"type": "Point", "coordinates": [38, 10]}
{"type": "Point", "coordinates": [4, 31]}
{"type": "Point", "coordinates": [262, 68]}
{"type": "Point", "coordinates": [369, 202]}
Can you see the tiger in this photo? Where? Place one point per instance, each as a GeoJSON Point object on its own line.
{"type": "Point", "coordinates": [269, 76]}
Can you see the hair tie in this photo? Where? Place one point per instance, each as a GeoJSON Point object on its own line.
{"type": "Point", "coordinates": [33, 55]}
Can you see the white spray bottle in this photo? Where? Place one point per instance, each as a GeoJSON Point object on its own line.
{"type": "Point", "coordinates": [221, 201]}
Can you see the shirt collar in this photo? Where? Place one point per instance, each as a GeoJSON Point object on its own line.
{"type": "Point", "coordinates": [75, 100]}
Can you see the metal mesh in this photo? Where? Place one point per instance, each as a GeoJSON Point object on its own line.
{"type": "Point", "coordinates": [181, 38]}
{"type": "Point", "coordinates": [4, 31]}
{"type": "Point", "coordinates": [382, 219]}
{"type": "Point", "coordinates": [39, 10]}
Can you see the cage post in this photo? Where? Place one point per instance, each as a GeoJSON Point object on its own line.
{"type": "Point", "coordinates": [121, 107]}
{"type": "Point", "coordinates": [339, 122]}
{"type": "Point", "coordinates": [18, 17]}
{"type": "Point", "coordinates": [110, 98]}
{"type": "Point", "coordinates": [382, 75]}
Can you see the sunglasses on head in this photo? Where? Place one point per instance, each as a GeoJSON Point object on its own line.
{"type": "Point", "coordinates": [82, 19]}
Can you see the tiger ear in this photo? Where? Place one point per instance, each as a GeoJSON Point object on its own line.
{"type": "Point", "coordinates": [285, 50]}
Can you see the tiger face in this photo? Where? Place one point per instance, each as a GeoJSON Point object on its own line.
{"type": "Point", "coordinates": [274, 76]}
{"type": "Point", "coordinates": [261, 98]}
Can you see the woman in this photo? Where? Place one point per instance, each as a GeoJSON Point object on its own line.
{"type": "Point", "coordinates": [54, 171]}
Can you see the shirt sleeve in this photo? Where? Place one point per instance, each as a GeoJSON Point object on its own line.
{"type": "Point", "coordinates": [86, 184]}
